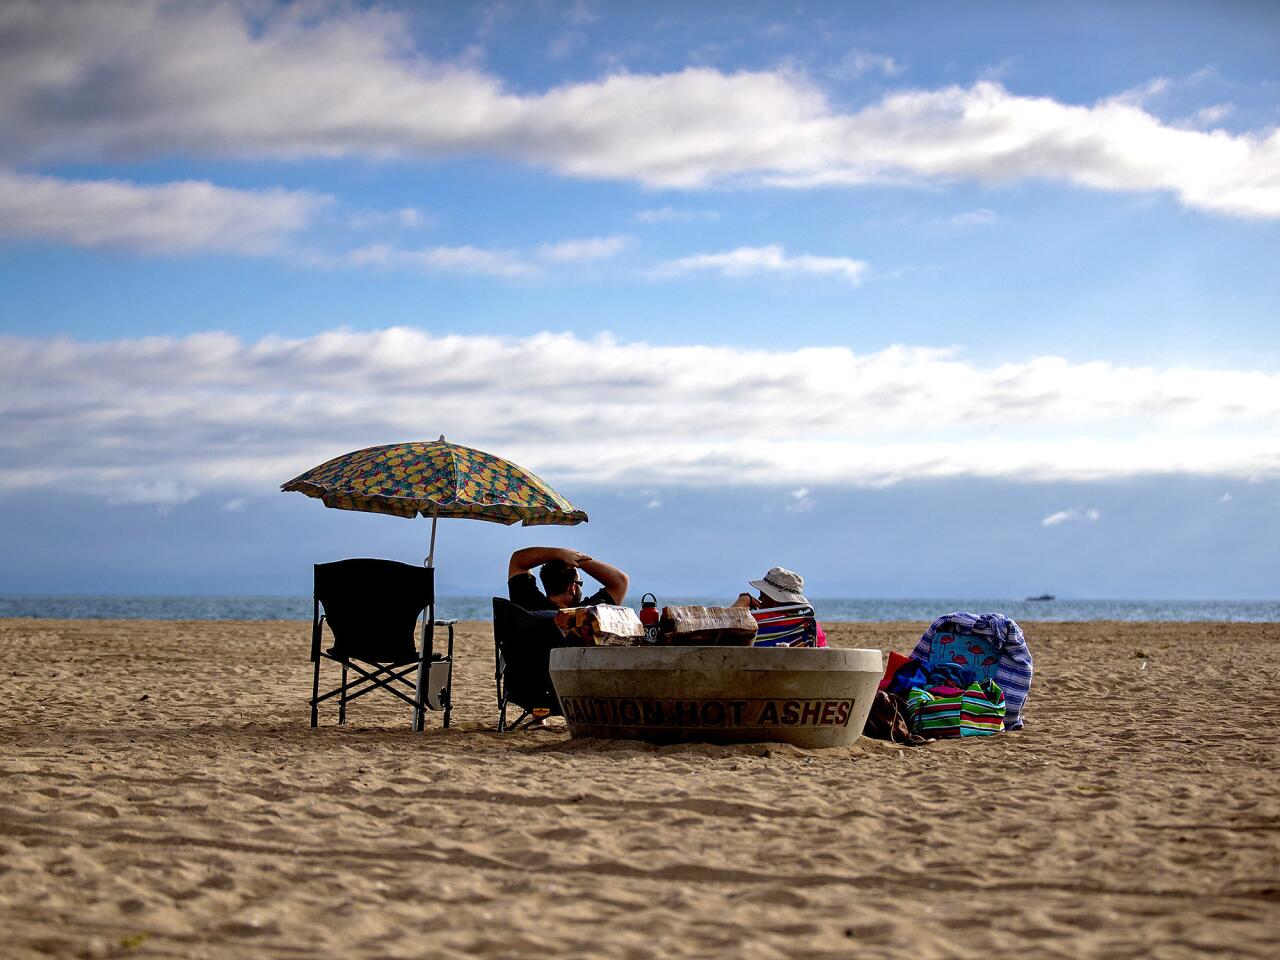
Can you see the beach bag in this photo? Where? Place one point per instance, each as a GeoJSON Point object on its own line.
{"type": "Point", "coordinates": [887, 720]}
{"type": "Point", "coordinates": [945, 712]}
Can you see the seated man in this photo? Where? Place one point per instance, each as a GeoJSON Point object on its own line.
{"type": "Point", "coordinates": [779, 588]}
{"type": "Point", "coordinates": [561, 579]}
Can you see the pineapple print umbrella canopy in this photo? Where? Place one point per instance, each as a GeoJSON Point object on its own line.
{"type": "Point", "coordinates": [434, 479]}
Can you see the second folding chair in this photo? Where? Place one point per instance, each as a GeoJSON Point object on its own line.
{"type": "Point", "coordinates": [522, 645]}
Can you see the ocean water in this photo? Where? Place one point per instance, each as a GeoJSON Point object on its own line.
{"type": "Point", "coordinates": [925, 610]}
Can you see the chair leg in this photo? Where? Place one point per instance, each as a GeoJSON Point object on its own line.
{"type": "Point", "coordinates": [315, 693]}
{"type": "Point", "coordinates": [420, 693]}
{"type": "Point", "coordinates": [448, 689]}
{"type": "Point", "coordinates": [498, 668]}
{"type": "Point", "coordinates": [342, 701]}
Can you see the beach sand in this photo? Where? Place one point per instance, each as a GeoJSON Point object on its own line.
{"type": "Point", "coordinates": [163, 795]}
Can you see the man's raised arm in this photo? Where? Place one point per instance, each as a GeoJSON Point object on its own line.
{"type": "Point", "coordinates": [610, 577]}
{"type": "Point", "coordinates": [522, 561]}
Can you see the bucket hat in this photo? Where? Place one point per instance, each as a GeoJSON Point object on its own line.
{"type": "Point", "coordinates": [782, 585]}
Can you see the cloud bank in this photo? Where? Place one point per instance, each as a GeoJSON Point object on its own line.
{"type": "Point", "coordinates": [139, 80]}
{"type": "Point", "coordinates": [169, 416]}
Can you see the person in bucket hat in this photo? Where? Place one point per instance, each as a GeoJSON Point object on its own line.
{"type": "Point", "coordinates": [779, 587]}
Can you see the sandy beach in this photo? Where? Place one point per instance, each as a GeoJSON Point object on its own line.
{"type": "Point", "coordinates": [163, 795]}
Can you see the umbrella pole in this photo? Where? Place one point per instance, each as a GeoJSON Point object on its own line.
{"type": "Point", "coordinates": [428, 628]}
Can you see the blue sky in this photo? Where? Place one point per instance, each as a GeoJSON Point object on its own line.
{"type": "Point", "coordinates": [813, 284]}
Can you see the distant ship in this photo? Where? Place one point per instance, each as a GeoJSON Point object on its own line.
{"type": "Point", "coordinates": [1043, 596]}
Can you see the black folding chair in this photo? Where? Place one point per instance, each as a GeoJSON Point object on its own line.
{"type": "Point", "coordinates": [522, 645]}
{"type": "Point", "coordinates": [372, 608]}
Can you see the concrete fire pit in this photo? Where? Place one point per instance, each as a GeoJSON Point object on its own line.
{"type": "Point", "coordinates": [804, 696]}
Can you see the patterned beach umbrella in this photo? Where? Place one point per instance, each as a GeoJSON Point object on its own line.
{"type": "Point", "coordinates": [435, 479]}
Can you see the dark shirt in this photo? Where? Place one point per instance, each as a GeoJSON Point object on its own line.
{"type": "Point", "coordinates": [523, 591]}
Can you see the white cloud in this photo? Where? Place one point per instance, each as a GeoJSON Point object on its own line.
{"type": "Point", "coordinates": [211, 412]}
{"type": "Point", "coordinates": [1212, 115]}
{"type": "Point", "coordinates": [177, 218]}
{"type": "Point", "coordinates": [582, 13]}
{"type": "Point", "coordinates": [671, 214]}
{"type": "Point", "coordinates": [799, 501]}
{"type": "Point", "coordinates": [586, 249]}
{"type": "Point", "coordinates": [855, 63]}
{"type": "Point", "coordinates": [566, 44]}
{"type": "Point", "coordinates": [746, 261]}
{"type": "Point", "coordinates": [996, 72]}
{"type": "Point", "coordinates": [974, 218]}
{"type": "Point", "coordinates": [649, 496]}
{"type": "Point", "coordinates": [462, 259]}
{"type": "Point", "coordinates": [1144, 92]}
{"type": "Point", "coordinates": [1225, 498]}
{"type": "Point", "coordinates": [507, 264]}
{"type": "Point", "coordinates": [1074, 515]}
{"type": "Point", "coordinates": [138, 80]}
{"type": "Point", "coordinates": [410, 217]}
{"type": "Point", "coordinates": [164, 494]}
{"type": "Point", "coordinates": [405, 218]}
